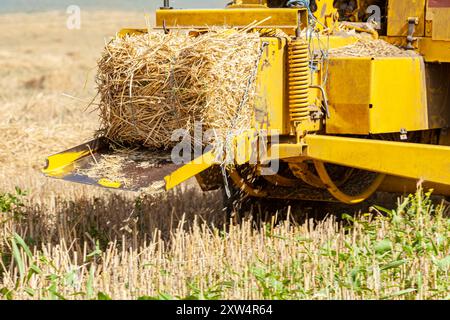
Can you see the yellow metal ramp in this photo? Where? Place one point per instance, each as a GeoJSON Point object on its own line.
{"type": "Point", "coordinates": [97, 163]}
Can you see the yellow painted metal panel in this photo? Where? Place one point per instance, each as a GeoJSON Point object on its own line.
{"type": "Point", "coordinates": [189, 170]}
{"type": "Point", "coordinates": [434, 50]}
{"type": "Point", "coordinates": [245, 145]}
{"type": "Point", "coordinates": [349, 118]}
{"type": "Point", "coordinates": [109, 184]}
{"type": "Point", "coordinates": [348, 91]}
{"type": "Point", "coordinates": [431, 50]}
{"type": "Point", "coordinates": [349, 80]}
{"type": "Point", "coordinates": [131, 32]}
{"type": "Point", "coordinates": [270, 110]}
{"type": "Point", "coordinates": [440, 23]}
{"type": "Point", "coordinates": [325, 12]}
{"type": "Point", "coordinates": [410, 160]}
{"type": "Point", "coordinates": [398, 13]}
{"type": "Point", "coordinates": [194, 18]}
{"type": "Point", "coordinates": [283, 151]}
{"type": "Point", "coordinates": [62, 163]}
{"type": "Point", "coordinates": [376, 95]}
{"type": "Point", "coordinates": [398, 95]}
{"type": "Point", "coordinates": [243, 153]}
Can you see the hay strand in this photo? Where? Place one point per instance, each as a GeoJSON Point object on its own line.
{"type": "Point", "coordinates": [371, 48]}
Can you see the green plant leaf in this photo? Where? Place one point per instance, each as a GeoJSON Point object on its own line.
{"type": "Point", "coordinates": [18, 258]}
{"type": "Point", "coordinates": [160, 296]}
{"type": "Point", "coordinates": [346, 216]}
{"type": "Point", "coordinates": [443, 264]}
{"type": "Point", "coordinates": [6, 293]}
{"type": "Point", "coordinates": [22, 243]}
{"type": "Point", "coordinates": [30, 292]}
{"type": "Point", "coordinates": [90, 283]}
{"type": "Point", "coordinates": [393, 265]}
{"type": "Point", "coordinates": [399, 293]}
{"type": "Point", "coordinates": [148, 298]}
{"type": "Point", "coordinates": [96, 252]}
{"type": "Point", "coordinates": [383, 246]}
{"type": "Point", "coordinates": [382, 209]}
{"type": "Point", "coordinates": [103, 296]}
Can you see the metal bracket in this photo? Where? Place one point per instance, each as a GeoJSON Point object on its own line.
{"type": "Point", "coordinates": [166, 31]}
{"type": "Point", "coordinates": [412, 22]}
{"type": "Point", "coordinates": [403, 134]}
{"type": "Point", "coordinates": [166, 5]}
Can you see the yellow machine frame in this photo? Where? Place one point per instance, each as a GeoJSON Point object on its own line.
{"type": "Point", "coordinates": [383, 102]}
{"type": "Point", "coordinates": [363, 97]}
{"type": "Point", "coordinates": [432, 27]}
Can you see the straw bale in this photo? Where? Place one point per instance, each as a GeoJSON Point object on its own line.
{"type": "Point", "coordinates": [153, 84]}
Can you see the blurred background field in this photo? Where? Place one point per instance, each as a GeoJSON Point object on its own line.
{"type": "Point", "coordinates": [7, 6]}
{"type": "Point", "coordinates": [64, 241]}
{"type": "Point", "coordinates": [47, 81]}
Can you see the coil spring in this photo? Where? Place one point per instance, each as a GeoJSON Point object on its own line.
{"type": "Point", "coordinates": [299, 80]}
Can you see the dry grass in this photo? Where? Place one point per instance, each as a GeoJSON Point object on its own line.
{"type": "Point", "coordinates": [40, 62]}
{"type": "Point", "coordinates": [153, 84]}
{"type": "Point", "coordinates": [172, 248]}
{"type": "Point", "coordinates": [88, 243]}
{"type": "Point", "coordinates": [371, 48]}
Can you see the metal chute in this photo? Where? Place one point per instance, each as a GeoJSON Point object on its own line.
{"type": "Point", "coordinates": [132, 170]}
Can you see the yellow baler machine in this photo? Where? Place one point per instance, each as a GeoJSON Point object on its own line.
{"type": "Point", "coordinates": [340, 128]}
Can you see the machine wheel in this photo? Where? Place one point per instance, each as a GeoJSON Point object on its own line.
{"type": "Point", "coordinates": [339, 191]}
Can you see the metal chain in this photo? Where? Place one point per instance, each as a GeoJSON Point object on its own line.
{"type": "Point", "coordinates": [241, 105]}
{"type": "Point", "coordinates": [250, 82]}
